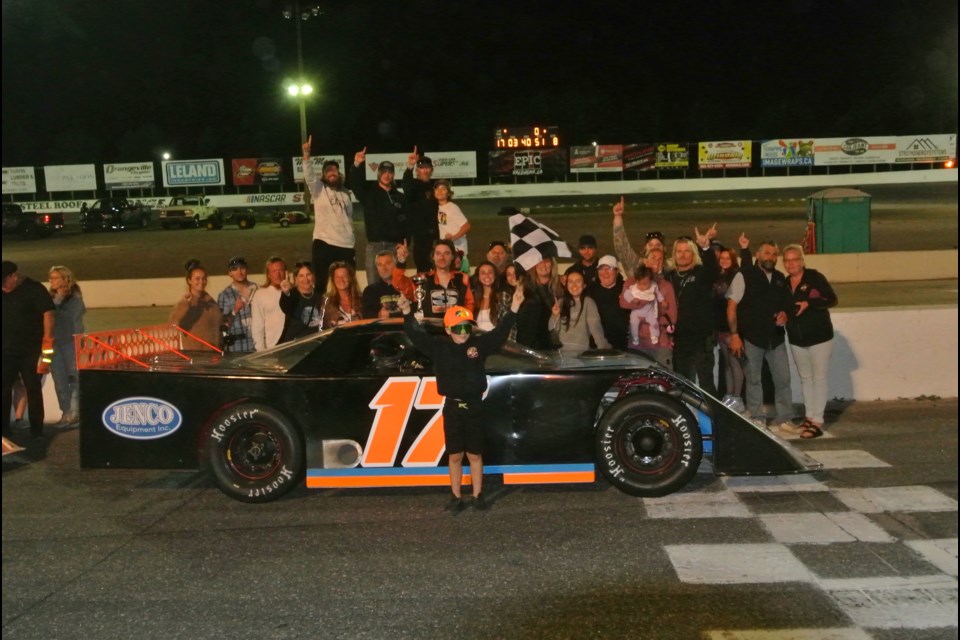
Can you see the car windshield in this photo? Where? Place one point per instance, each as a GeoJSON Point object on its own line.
{"type": "Point", "coordinates": [283, 357]}
{"type": "Point", "coordinates": [349, 351]}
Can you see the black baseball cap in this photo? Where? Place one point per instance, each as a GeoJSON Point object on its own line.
{"type": "Point", "coordinates": [655, 234]}
{"type": "Point", "coordinates": [497, 243]}
{"type": "Point", "coordinates": [237, 261]}
{"type": "Point", "coordinates": [385, 166]}
{"type": "Point", "coordinates": [588, 241]}
{"type": "Point", "coordinates": [330, 163]}
{"type": "Point", "coordinates": [425, 162]}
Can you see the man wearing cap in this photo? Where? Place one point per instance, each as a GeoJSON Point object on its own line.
{"type": "Point", "coordinates": [333, 237]}
{"type": "Point", "coordinates": [234, 303]}
{"type": "Point", "coordinates": [461, 379]}
{"type": "Point", "coordinates": [422, 208]}
{"type": "Point", "coordinates": [587, 264]}
{"type": "Point", "coordinates": [28, 321]}
{"type": "Point", "coordinates": [606, 293]}
{"type": "Point", "coordinates": [498, 255]}
{"type": "Point", "coordinates": [383, 215]}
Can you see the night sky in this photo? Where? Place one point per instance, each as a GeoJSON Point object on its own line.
{"type": "Point", "coordinates": [120, 81]}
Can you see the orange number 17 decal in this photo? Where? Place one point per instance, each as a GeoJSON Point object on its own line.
{"type": "Point", "coordinates": [394, 402]}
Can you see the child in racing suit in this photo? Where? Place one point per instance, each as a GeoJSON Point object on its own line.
{"type": "Point", "coordinates": [461, 379]}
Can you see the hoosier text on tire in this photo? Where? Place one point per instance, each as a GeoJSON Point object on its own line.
{"type": "Point", "coordinates": [648, 445]}
{"type": "Point", "coordinates": [254, 453]}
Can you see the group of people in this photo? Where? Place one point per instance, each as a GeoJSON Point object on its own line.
{"type": "Point", "coordinates": [39, 324]}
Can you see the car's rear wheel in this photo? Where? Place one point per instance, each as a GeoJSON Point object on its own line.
{"type": "Point", "coordinates": [254, 453]}
{"type": "Point", "coordinates": [648, 445]}
{"type": "Point", "coordinates": [284, 223]}
{"type": "Point", "coordinates": [246, 221]}
{"type": "Point", "coordinates": [214, 223]}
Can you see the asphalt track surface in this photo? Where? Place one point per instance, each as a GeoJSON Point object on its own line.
{"type": "Point", "coordinates": [866, 548]}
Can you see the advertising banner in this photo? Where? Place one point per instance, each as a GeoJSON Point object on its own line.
{"type": "Point", "coordinates": [672, 155]}
{"type": "Point", "coordinates": [583, 158]}
{"type": "Point", "coordinates": [845, 151]}
{"type": "Point", "coordinates": [639, 157]}
{"type": "Point", "coordinates": [193, 173]}
{"type": "Point", "coordinates": [786, 152]}
{"type": "Point", "coordinates": [129, 175]}
{"type": "Point", "coordinates": [932, 148]}
{"type": "Point", "coordinates": [247, 171]}
{"type": "Point", "coordinates": [70, 177]}
{"type": "Point", "coordinates": [596, 158]}
{"type": "Point", "coordinates": [317, 162]}
{"type": "Point", "coordinates": [453, 164]}
{"type": "Point", "coordinates": [19, 180]}
{"type": "Point", "coordinates": [549, 163]}
{"type": "Point", "coordinates": [728, 154]}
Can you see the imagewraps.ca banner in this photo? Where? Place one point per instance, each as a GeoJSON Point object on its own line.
{"type": "Point", "coordinates": [786, 152]}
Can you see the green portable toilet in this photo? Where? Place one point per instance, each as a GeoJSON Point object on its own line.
{"type": "Point", "coordinates": [842, 219]}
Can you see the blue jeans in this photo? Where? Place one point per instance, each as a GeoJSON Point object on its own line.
{"type": "Point", "coordinates": [780, 372]}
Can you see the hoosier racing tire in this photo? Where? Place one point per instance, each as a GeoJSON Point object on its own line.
{"type": "Point", "coordinates": [648, 445]}
{"type": "Point", "coordinates": [254, 453]}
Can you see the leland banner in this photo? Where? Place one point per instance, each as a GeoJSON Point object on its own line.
{"type": "Point", "coordinates": [193, 173]}
{"type": "Point", "coordinates": [728, 154]}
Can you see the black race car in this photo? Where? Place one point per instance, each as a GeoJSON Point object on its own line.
{"type": "Point", "coordinates": [357, 406]}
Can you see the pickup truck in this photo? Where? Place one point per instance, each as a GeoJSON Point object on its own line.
{"type": "Point", "coordinates": [113, 214]}
{"type": "Point", "coordinates": [187, 211]}
{"type": "Point", "coordinates": [30, 224]}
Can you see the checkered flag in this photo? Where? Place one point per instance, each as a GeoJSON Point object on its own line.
{"type": "Point", "coordinates": [532, 242]}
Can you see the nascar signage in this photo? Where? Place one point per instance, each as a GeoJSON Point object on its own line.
{"type": "Point", "coordinates": [193, 173]}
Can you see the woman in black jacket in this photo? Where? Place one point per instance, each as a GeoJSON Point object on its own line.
{"type": "Point", "coordinates": [301, 303]}
{"type": "Point", "coordinates": [810, 332]}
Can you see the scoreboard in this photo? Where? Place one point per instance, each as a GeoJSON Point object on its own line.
{"type": "Point", "coordinates": [532, 137]}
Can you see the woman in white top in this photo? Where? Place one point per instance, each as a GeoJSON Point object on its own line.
{"type": "Point", "coordinates": [450, 219]}
{"type": "Point", "coordinates": [576, 320]}
{"type": "Point", "coordinates": [486, 299]}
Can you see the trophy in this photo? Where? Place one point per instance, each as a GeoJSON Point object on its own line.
{"type": "Point", "coordinates": [420, 293]}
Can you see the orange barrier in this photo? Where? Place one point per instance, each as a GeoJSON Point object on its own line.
{"type": "Point", "coordinates": [105, 348]}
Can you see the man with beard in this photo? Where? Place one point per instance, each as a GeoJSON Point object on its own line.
{"type": "Point", "coordinates": [333, 238]}
{"type": "Point", "coordinates": [605, 291]}
{"type": "Point", "coordinates": [694, 272]}
{"type": "Point", "coordinates": [383, 217]}
{"type": "Point", "coordinates": [758, 305]}
{"type": "Point", "coordinates": [422, 209]}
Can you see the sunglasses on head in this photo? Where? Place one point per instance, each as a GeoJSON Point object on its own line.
{"type": "Point", "coordinates": [462, 328]}
{"type": "Point", "coordinates": [655, 235]}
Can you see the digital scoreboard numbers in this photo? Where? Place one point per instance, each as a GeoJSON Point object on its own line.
{"type": "Point", "coordinates": [527, 138]}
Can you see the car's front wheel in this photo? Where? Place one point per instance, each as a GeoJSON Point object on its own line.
{"type": "Point", "coordinates": [648, 445]}
{"type": "Point", "coordinates": [255, 453]}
